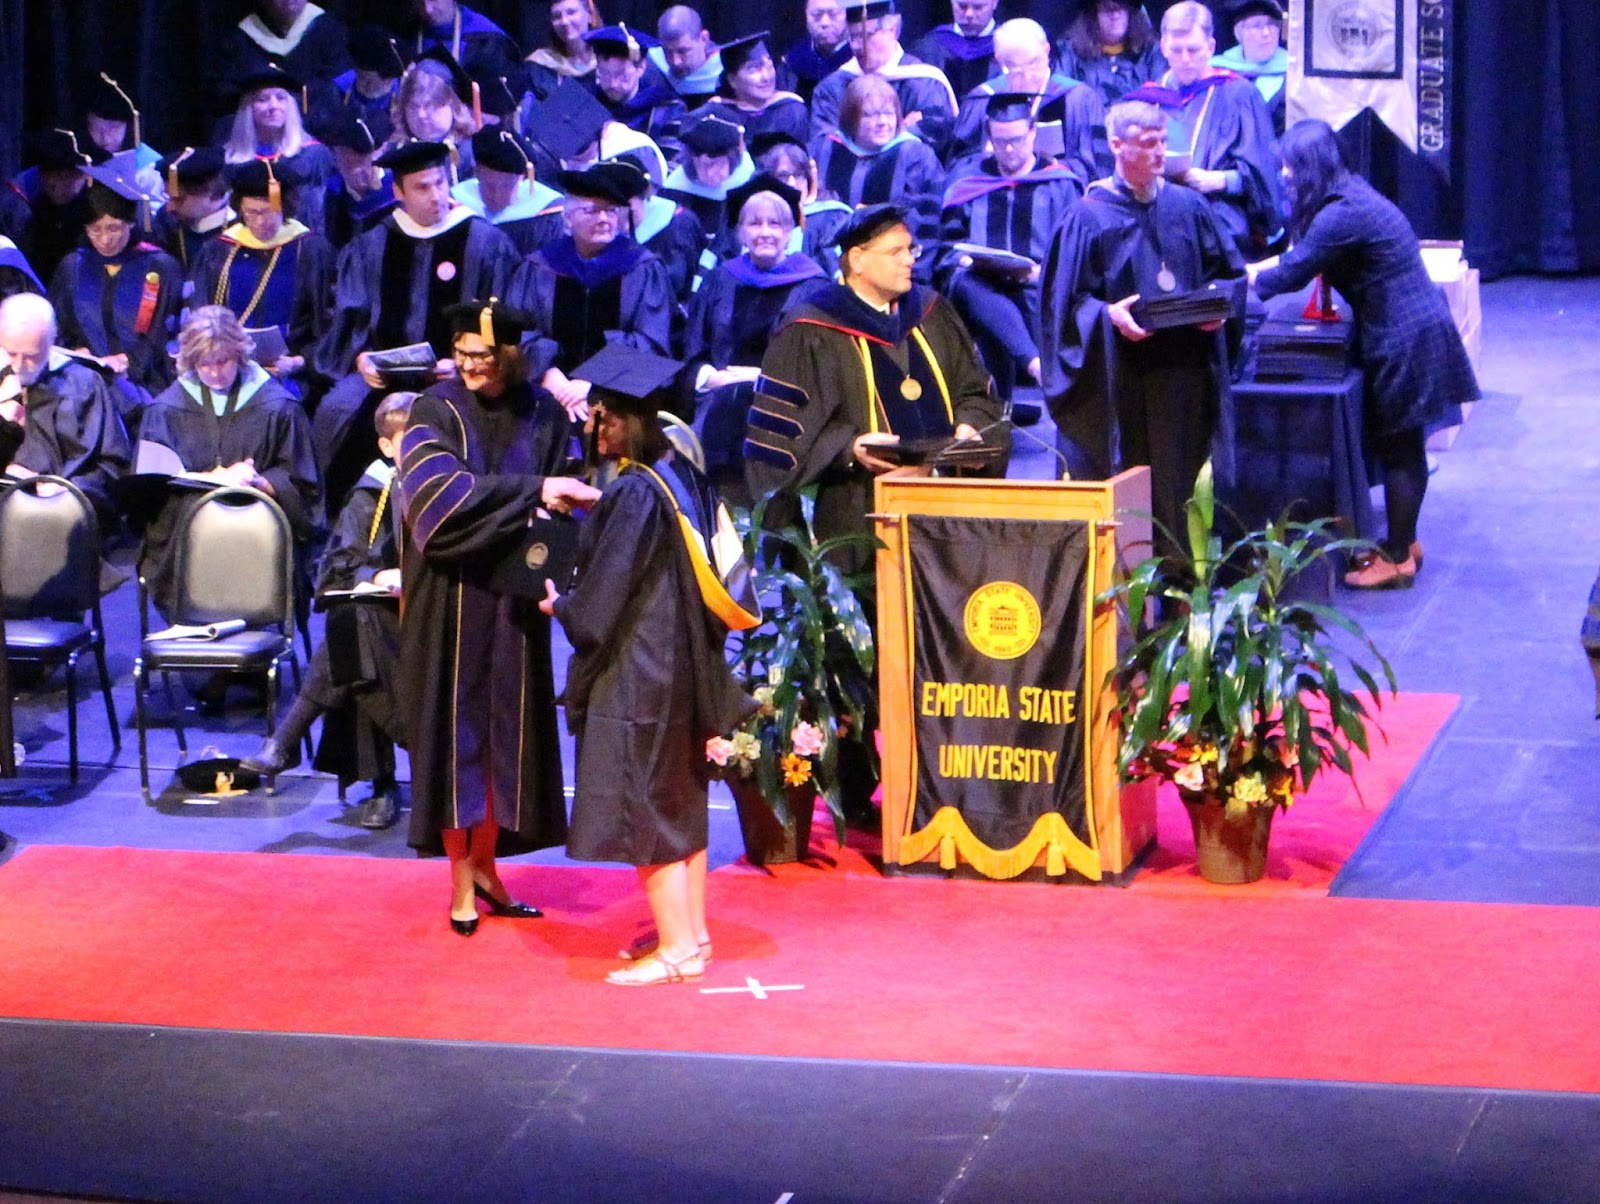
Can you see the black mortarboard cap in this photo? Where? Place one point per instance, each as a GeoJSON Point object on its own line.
{"type": "Point", "coordinates": [61, 148]}
{"type": "Point", "coordinates": [568, 121]}
{"type": "Point", "coordinates": [741, 50]}
{"type": "Point", "coordinates": [768, 140]}
{"type": "Point", "coordinates": [1010, 106]}
{"type": "Point", "coordinates": [763, 182]}
{"type": "Point", "coordinates": [349, 129]}
{"type": "Point", "coordinates": [632, 180]}
{"type": "Point", "coordinates": [269, 76]}
{"type": "Point", "coordinates": [497, 324]}
{"type": "Point", "coordinates": [373, 48]}
{"type": "Point", "coordinates": [711, 135]}
{"type": "Point", "coordinates": [620, 40]}
{"type": "Point", "coordinates": [255, 178]}
{"type": "Point", "coordinates": [501, 96]}
{"type": "Point", "coordinates": [599, 182]}
{"type": "Point", "coordinates": [439, 61]}
{"type": "Point", "coordinates": [856, 14]}
{"type": "Point", "coordinates": [867, 223]}
{"type": "Point", "coordinates": [114, 188]}
{"type": "Point", "coordinates": [415, 155]}
{"type": "Point", "coordinates": [1238, 10]}
{"type": "Point", "coordinates": [626, 379]}
{"type": "Point", "coordinates": [192, 167]}
{"type": "Point", "coordinates": [108, 99]}
{"type": "Point", "coordinates": [216, 774]}
{"type": "Point", "coordinates": [497, 148]}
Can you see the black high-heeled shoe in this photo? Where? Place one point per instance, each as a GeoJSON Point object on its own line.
{"type": "Point", "coordinates": [464, 927]}
{"type": "Point", "coordinates": [511, 909]}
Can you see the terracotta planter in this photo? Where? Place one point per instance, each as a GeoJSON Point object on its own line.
{"type": "Point", "coordinates": [766, 841]}
{"type": "Point", "coordinates": [1227, 851]}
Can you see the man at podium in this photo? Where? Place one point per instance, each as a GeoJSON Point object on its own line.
{"type": "Point", "coordinates": [860, 374]}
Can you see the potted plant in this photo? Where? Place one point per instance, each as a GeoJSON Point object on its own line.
{"type": "Point", "coordinates": [810, 664]}
{"type": "Point", "coordinates": [1233, 691]}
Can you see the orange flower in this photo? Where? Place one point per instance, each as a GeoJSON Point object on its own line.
{"type": "Point", "coordinates": [796, 770]}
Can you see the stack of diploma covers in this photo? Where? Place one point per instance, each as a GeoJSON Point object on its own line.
{"type": "Point", "coordinates": [1214, 303]}
{"type": "Point", "coordinates": [410, 368]}
{"type": "Point", "coordinates": [938, 452]}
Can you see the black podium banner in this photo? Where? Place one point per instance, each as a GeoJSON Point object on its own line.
{"type": "Point", "coordinates": [1000, 613]}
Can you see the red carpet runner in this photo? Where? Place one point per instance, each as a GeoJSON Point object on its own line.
{"type": "Point", "coordinates": [902, 969]}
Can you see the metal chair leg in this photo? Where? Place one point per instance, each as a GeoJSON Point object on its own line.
{"type": "Point", "coordinates": [177, 711]}
{"type": "Point", "coordinates": [72, 718]}
{"type": "Point", "coordinates": [138, 711]}
{"type": "Point", "coordinates": [105, 689]}
{"type": "Point", "coordinates": [272, 717]}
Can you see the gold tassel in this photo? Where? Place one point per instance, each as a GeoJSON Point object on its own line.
{"type": "Point", "coordinates": [486, 324]}
{"type": "Point", "coordinates": [274, 189]}
{"type": "Point", "coordinates": [138, 139]}
{"type": "Point", "coordinates": [172, 171]}
{"type": "Point", "coordinates": [477, 106]}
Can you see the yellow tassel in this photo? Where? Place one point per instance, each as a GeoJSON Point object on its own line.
{"type": "Point", "coordinates": [274, 189]}
{"type": "Point", "coordinates": [486, 325]}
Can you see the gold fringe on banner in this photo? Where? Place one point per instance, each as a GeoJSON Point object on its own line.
{"type": "Point", "coordinates": [948, 833]}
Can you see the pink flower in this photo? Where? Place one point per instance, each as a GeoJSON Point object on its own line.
{"type": "Point", "coordinates": [1191, 776]}
{"type": "Point", "coordinates": [718, 750]}
{"type": "Point", "coordinates": [807, 739]}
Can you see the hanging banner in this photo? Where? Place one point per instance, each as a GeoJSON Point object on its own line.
{"type": "Point", "coordinates": [1390, 56]}
{"type": "Point", "coordinates": [1000, 620]}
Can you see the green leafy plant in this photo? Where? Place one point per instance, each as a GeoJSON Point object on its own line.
{"type": "Point", "coordinates": [810, 663]}
{"type": "Point", "coordinates": [1234, 692]}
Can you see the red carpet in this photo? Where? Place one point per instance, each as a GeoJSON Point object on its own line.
{"type": "Point", "coordinates": [891, 969]}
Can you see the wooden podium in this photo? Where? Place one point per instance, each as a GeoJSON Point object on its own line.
{"type": "Point", "coordinates": [1124, 817]}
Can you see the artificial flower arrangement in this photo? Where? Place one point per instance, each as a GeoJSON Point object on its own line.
{"type": "Point", "coordinates": [809, 663]}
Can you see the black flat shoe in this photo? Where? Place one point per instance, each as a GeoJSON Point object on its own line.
{"type": "Point", "coordinates": [464, 927]}
{"type": "Point", "coordinates": [510, 909]}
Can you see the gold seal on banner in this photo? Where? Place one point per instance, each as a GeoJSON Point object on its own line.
{"type": "Point", "coordinates": [1002, 620]}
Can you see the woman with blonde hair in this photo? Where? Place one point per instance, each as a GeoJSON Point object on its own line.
{"type": "Point", "coordinates": [268, 125]}
{"type": "Point", "coordinates": [429, 106]}
{"type": "Point", "coordinates": [568, 56]}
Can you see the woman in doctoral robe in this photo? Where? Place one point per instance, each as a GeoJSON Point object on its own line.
{"type": "Point", "coordinates": [568, 57]}
{"type": "Point", "coordinates": [483, 452]}
{"type": "Point", "coordinates": [1111, 46]}
{"type": "Point", "coordinates": [871, 159]}
{"type": "Point", "coordinates": [715, 162]}
{"type": "Point", "coordinates": [648, 683]}
{"type": "Point", "coordinates": [750, 97]}
{"type": "Point", "coordinates": [119, 296]}
{"type": "Point", "coordinates": [269, 270]}
{"type": "Point", "coordinates": [226, 418]}
{"type": "Point", "coordinates": [1416, 368]}
{"type": "Point", "coordinates": [733, 317]}
{"type": "Point", "coordinates": [269, 125]}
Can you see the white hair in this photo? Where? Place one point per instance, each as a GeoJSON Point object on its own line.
{"type": "Point", "coordinates": [28, 312]}
{"type": "Point", "coordinates": [1021, 32]}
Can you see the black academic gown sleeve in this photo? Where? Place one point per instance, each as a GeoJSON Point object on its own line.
{"type": "Point", "coordinates": [644, 318]}
{"type": "Point", "coordinates": [1237, 136]}
{"type": "Point", "coordinates": [73, 429]}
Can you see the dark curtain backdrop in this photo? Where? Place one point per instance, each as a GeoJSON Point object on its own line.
{"type": "Point", "coordinates": [1525, 195]}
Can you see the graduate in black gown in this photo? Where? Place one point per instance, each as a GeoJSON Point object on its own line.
{"type": "Point", "coordinates": [227, 418]}
{"type": "Point", "coordinates": [714, 163]}
{"type": "Point", "coordinates": [308, 42]}
{"type": "Point", "coordinates": [567, 57]}
{"type": "Point", "coordinates": [352, 677]}
{"type": "Point", "coordinates": [1259, 55]}
{"type": "Point", "coordinates": [1012, 201]}
{"type": "Point", "coordinates": [1111, 46]}
{"type": "Point", "coordinates": [367, 89]}
{"type": "Point", "coordinates": [1120, 395]}
{"type": "Point", "coordinates": [629, 86]}
{"type": "Point", "coordinates": [508, 193]}
{"type": "Point", "coordinates": [875, 42]}
{"type": "Point", "coordinates": [197, 208]}
{"type": "Point", "coordinates": [53, 189]}
{"type": "Point", "coordinates": [392, 288]}
{"type": "Point", "coordinates": [749, 96]}
{"type": "Point", "coordinates": [648, 683]}
{"type": "Point", "coordinates": [963, 49]}
{"type": "Point", "coordinates": [854, 366]}
{"type": "Point", "coordinates": [118, 298]}
{"type": "Point", "coordinates": [823, 50]}
{"type": "Point", "coordinates": [732, 319]}
{"type": "Point", "coordinates": [592, 287]}
{"type": "Point", "coordinates": [269, 124]}
{"type": "Point", "coordinates": [1224, 124]}
{"type": "Point", "coordinates": [781, 156]}
{"type": "Point", "coordinates": [270, 271]}
{"type": "Point", "coordinates": [361, 194]}
{"type": "Point", "coordinates": [483, 49]}
{"type": "Point", "coordinates": [58, 413]}
{"type": "Point", "coordinates": [482, 454]}
{"type": "Point", "coordinates": [665, 228]}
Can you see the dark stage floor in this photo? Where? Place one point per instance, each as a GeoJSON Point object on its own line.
{"type": "Point", "coordinates": [1504, 808]}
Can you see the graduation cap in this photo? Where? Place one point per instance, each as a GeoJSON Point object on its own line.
{"type": "Point", "coordinates": [349, 129]}
{"type": "Point", "coordinates": [867, 223]}
{"type": "Point", "coordinates": [764, 182]}
{"type": "Point", "coordinates": [59, 148]}
{"type": "Point", "coordinates": [740, 51]}
{"type": "Point", "coordinates": [770, 140]}
{"type": "Point", "coordinates": [499, 325]}
{"type": "Point", "coordinates": [712, 135]}
{"type": "Point", "coordinates": [1238, 10]}
{"type": "Point", "coordinates": [191, 168]}
{"type": "Point", "coordinates": [1011, 106]}
{"type": "Point", "coordinates": [255, 178]}
{"type": "Point", "coordinates": [215, 774]}
{"type": "Point", "coordinates": [269, 75]}
{"type": "Point", "coordinates": [114, 190]}
{"type": "Point", "coordinates": [499, 99]}
{"type": "Point", "coordinates": [618, 41]}
{"type": "Point", "coordinates": [415, 156]}
{"type": "Point", "coordinates": [858, 14]}
{"type": "Point", "coordinates": [108, 100]}
{"type": "Point", "coordinates": [568, 121]}
{"type": "Point", "coordinates": [627, 380]}
{"type": "Point", "coordinates": [436, 60]}
{"type": "Point", "coordinates": [373, 48]}
{"type": "Point", "coordinates": [613, 181]}
{"type": "Point", "coordinates": [497, 148]}
{"type": "Point", "coordinates": [646, 162]}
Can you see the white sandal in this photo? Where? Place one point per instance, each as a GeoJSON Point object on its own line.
{"type": "Point", "coordinates": [659, 970]}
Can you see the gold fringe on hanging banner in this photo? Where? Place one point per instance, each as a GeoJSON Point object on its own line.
{"type": "Point", "coordinates": [948, 833]}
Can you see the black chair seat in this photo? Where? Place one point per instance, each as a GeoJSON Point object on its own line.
{"type": "Point", "coordinates": [243, 650]}
{"type": "Point", "coordinates": [46, 639]}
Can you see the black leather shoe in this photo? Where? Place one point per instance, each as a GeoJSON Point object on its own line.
{"type": "Point", "coordinates": [464, 927]}
{"type": "Point", "coordinates": [380, 811]}
{"type": "Point", "coordinates": [510, 909]}
{"type": "Point", "coordinates": [272, 758]}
